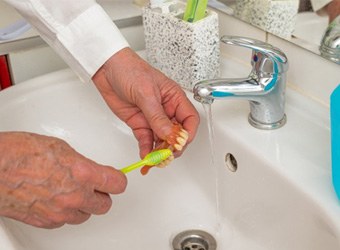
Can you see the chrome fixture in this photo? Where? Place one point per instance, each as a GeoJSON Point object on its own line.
{"type": "Point", "coordinates": [194, 240]}
{"type": "Point", "coordinates": [264, 88]}
{"type": "Point", "coordinates": [330, 44]}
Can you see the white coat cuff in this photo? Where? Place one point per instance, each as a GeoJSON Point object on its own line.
{"type": "Point", "coordinates": [90, 40]}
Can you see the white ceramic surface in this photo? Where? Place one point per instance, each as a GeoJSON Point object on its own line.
{"type": "Point", "coordinates": [280, 197]}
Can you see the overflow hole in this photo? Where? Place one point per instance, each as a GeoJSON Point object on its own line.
{"type": "Point", "coordinates": [230, 162]}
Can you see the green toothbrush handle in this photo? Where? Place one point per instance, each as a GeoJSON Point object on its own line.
{"type": "Point", "coordinates": [133, 167]}
{"type": "Point", "coordinates": [195, 10]}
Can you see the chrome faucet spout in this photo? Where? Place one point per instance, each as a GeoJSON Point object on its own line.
{"type": "Point", "coordinates": [209, 90]}
{"type": "Point", "coordinates": [264, 88]}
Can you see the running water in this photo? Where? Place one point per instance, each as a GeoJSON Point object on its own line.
{"type": "Point", "coordinates": [208, 114]}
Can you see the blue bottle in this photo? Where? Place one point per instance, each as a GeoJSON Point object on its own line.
{"type": "Point", "coordinates": [335, 138]}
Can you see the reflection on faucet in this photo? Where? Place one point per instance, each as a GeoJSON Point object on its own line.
{"type": "Point", "coordinates": [264, 87]}
{"type": "Point", "coordinates": [330, 44]}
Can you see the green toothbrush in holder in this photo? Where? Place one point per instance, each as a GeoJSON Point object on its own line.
{"type": "Point", "coordinates": [195, 10]}
{"type": "Point", "coordinates": [184, 44]}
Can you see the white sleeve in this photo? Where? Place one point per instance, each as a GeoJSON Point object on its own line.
{"type": "Point", "coordinates": [80, 31]}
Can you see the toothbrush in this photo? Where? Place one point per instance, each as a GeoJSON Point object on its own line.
{"type": "Point", "coordinates": [151, 159]}
{"type": "Point", "coordinates": [195, 10]}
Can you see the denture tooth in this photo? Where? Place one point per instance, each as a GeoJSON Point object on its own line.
{"type": "Point", "coordinates": [181, 141]}
{"type": "Point", "coordinates": [164, 163]}
{"type": "Point", "coordinates": [184, 134]}
{"type": "Point", "coordinates": [184, 131]}
{"type": "Point", "coordinates": [178, 147]}
{"type": "Point", "coordinates": [160, 165]}
{"type": "Point", "coordinates": [169, 161]}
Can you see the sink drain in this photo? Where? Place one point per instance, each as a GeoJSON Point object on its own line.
{"type": "Point", "coordinates": [194, 240]}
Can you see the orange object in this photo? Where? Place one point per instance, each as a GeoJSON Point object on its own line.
{"type": "Point", "coordinates": [170, 142]}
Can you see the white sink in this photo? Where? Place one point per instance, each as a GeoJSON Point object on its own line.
{"type": "Point", "coordinates": [280, 197]}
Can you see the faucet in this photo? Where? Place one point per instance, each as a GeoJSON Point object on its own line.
{"type": "Point", "coordinates": [264, 88]}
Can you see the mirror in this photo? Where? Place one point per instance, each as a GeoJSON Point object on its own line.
{"type": "Point", "coordinates": [293, 20]}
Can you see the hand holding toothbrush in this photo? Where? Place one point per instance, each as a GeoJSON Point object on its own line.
{"type": "Point", "coordinates": [46, 183]}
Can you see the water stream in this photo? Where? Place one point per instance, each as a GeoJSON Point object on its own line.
{"type": "Point", "coordinates": [209, 120]}
{"type": "Point", "coordinates": [208, 114]}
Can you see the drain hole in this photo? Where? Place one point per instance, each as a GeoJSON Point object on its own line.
{"type": "Point", "coordinates": [194, 240]}
{"type": "Point", "coordinates": [194, 243]}
{"type": "Point", "coordinates": [230, 162]}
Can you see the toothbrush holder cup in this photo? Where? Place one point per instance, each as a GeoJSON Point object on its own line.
{"type": "Point", "coordinates": [185, 52]}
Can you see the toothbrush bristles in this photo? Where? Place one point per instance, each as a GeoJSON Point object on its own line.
{"type": "Point", "coordinates": [157, 157]}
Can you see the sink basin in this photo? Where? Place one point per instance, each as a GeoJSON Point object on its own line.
{"type": "Point", "coordinates": [278, 195]}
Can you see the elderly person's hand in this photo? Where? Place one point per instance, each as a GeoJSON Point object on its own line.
{"type": "Point", "coordinates": [45, 183]}
{"type": "Point", "coordinates": [145, 99]}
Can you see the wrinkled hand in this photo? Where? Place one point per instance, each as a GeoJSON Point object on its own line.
{"type": "Point", "coordinates": [145, 99]}
{"type": "Point", "coordinates": [45, 183]}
